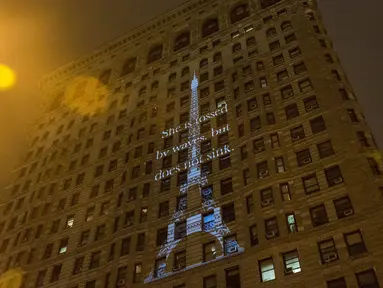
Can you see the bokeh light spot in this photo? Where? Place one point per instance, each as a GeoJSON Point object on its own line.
{"type": "Point", "coordinates": [12, 278]}
{"type": "Point", "coordinates": [7, 77]}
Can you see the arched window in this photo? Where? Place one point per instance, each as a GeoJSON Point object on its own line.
{"type": "Point", "coordinates": [155, 53]}
{"type": "Point", "coordinates": [182, 41]}
{"type": "Point", "coordinates": [271, 32]}
{"type": "Point", "coordinates": [105, 77]}
{"type": "Point", "coordinates": [217, 57]}
{"type": "Point", "coordinates": [209, 27]}
{"type": "Point", "coordinates": [239, 12]}
{"type": "Point", "coordinates": [286, 26]}
{"type": "Point", "coordinates": [185, 71]}
{"type": "Point", "coordinates": [236, 47]}
{"type": "Point", "coordinates": [204, 62]}
{"type": "Point", "coordinates": [129, 66]}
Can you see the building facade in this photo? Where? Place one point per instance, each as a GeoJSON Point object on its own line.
{"type": "Point", "coordinates": [219, 145]}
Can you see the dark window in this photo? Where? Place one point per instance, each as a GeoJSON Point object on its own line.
{"type": "Point", "coordinates": [125, 246]}
{"type": "Point", "coordinates": [155, 53]}
{"type": "Point", "coordinates": [351, 113]}
{"type": "Point", "coordinates": [182, 41]}
{"type": "Point", "coordinates": [310, 183]}
{"type": "Point", "coordinates": [310, 103]}
{"type": "Point", "coordinates": [362, 139]}
{"type": "Point", "coordinates": [95, 259]}
{"type": "Point", "coordinates": [129, 66]}
{"type": "Point", "coordinates": [337, 283]}
{"type": "Point", "coordinates": [239, 12]}
{"type": "Point", "coordinates": [303, 157]}
{"type": "Point", "coordinates": [297, 133]}
{"type": "Point", "coordinates": [210, 281]}
{"type": "Point", "coordinates": [295, 52]}
{"type": "Point", "coordinates": [300, 68]}
{"type": "Point", "coordinates": [374, 166]}
{"type": "Point", "coordinates": [343, 207]}
{"type": "Point", "coordinates": [367, 279]}
{"type": "Point", "coordinates": [267, 198]}
{"type": "Point", "coordinates": [262, 170]}
{"type": "Point", "coordinates": [226, 186]}
{"type": "Point", "coordinates": [317, 125]}
{"type": "Point", "coordinates": [162, 236]}
{"type": "Point", "coordinates": [274, 45]}
{"type": "Point", "coordinates": [180, 230]}
{"type": "Point", "coordinates": [255, 124]}
{"type": "Point", "coordinates": [228, 213]}
{"type": "Point", "coordinates": [291, 111]}
{"type": "Point", "coordinates": [179, 260]}
{"type": "Point", "coordinates": [355, 243]}
{"type": "Point", "coordinates": [318, 215]}
{"type": "Point", "coordinates": [271, 228]}
{"type": "Point", "coordinates": [270, 118]}
{"type": "Point", "coordinates": [282, 75]}
{"type": "Point", "coordinates": [249, 204]}
{"type": "Point", "coordinates": [233, 279]}
{"type": "Point", "coordinates": [140, 242]}
{"type": "Point", "coordinates": [163, 209]}
{"type": "Point", "coordinates": [325, 149]}
{"type": "Point", "coordinates": [333, 175]}
{"type": "Point", "coordinates": [253, 231]}
{"type": "Point", "coordinates": [209, 27]}
{"type": "Point", "coordinates": [327, 251]}
{"type": "Point", "coordinates": [285, 191]}
{"type": "Point", "coordinates": [287, 92]}
{"type": "Point", "coordinates": [224, 161]}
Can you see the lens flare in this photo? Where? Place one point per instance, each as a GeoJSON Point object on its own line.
{"type": "Point", "coordinates": [7, 77]}
{"type": "Point", "coordinates": [86, 95]}
{"type": "Point", "coordinates": [12, 278]}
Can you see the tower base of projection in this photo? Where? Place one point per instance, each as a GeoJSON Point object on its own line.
{"type": "Point", "coordinates": [194, 224]}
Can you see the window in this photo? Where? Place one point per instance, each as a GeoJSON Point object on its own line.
{"type": "Point", "coordinates": [351, 113]}
{"type": "Point", "coordinates": [333, 175]}
{"type": "Point", "coordinates": [310, 183]}
{"type": "Point", "coordinates": [335, 75]}
{"type": "Point", "coordinates": [287, 92]}
{"type": "Point", "coordinates": [274, 138]}
{"type": "Point", "coordinates": [374, 166]}
{"type": "Point", "coordinates": [325, 149]}
{"type": "Point", "coordinates": [299, 68]}
{"type": "Point", "coordinates": [271, 228]}
{"type": "Point", "coordinates": [249, 204]}
{"type": "Point", "coordinates": [233, 279]}
{"type": "Point", "coordinates": [295, 52]}
{"type": "Point", "coordinates": [95, 260]}
{"type": "Point", "coordinates": [274, 45]}
{"type": "Point", "coordinates": [78, 265]}
{"type": "Point", "coordinates": [155, 54]}
{"type": "Point", "coordinates": [182, 41]}
{"type": "Point", "coordinates": [262, 170]}
{"type": "Point", "coordinates": [228, 213]}
{"type": "Point", "coordinates": [125, 246]}
{"type": "Point", "coordinates": [318, 215]}
{"type": "Point", "coordinates": [355, 243]}
{"type": "Point", "coordinates": [286, 26]}
{"type": "Point", "coordinates": [209, 27]}
{"type": "Point", "coordinates": [291, 111]}
{"type": "Point", "coordinates": [48, 251]}
{"type": "Point", "coordinates": [267, 270]}
{"type": "Point", "coordinates": [343, 207]}
{"type": "Point", "coordinates": [209, 251]}
{"type": "Point", "coordinates": [129, 66]}
{"type": "Point", "coordinates": [362, 139]}
{"type": "Point", "coordinates": [84, 237]}
{"type": "Point", "coordinates": [267, 197]}
{"type": "Point", "coordinates": [56, 271]}
{"type": "Point", "coordinates": [277, 60]}
{"type": "Point", "coordinates": [285, 191]}
{"type": "Point", "coordinates": [137, 274]}
{"type": "Point", "coordinates": [291, 262]}
{"type": "Point", "coordinates": [291, 223]}
{"type": "Point", "coordinates": [140, 242]}
{"type": "Point", "coordinates": [210, 281]}
{"type": "Point", "coordinates": [224, 161]}
{"type": "Point", "coordinates": [162, 236]}
{"type": "Point", "coordinates": [63, 246]}
{"type": "Point", "coordinates": [282, 75]}
{"type": "Point", "coordinates": [290, 38]}
{"type": "Point", "coordinates": [236, 48]}
{"type": "Point", "coordinates": [337, 283]}
{"type": "Point", "coordinates": [239, 12]}
{"type": "Point", "coordinates": [367, 279]}
{"type": "Point", "coordinates": [327, 251]}
{"type": "Point", "coordinates": [305, 85]}
{"type": "Point", "coordinates": [270, 118]}
{"type": "Point", "coordinates": [303, 157]}
{"type": "Point", "coordinates": [271, 32]}
{"type": "Point", "coordinates": [100, 232]}
{"type": "Point", "coordinates": [260, 66]}
{"type": "Point", "coordinates": [279, 164]}
{"type": "Point", "coordinates": [129, 218]}
{"type": "Point", "coordinates": [180, 230]}
{"type": "Point", "coordinates": [40, 278]}
{"type": "Point", "coordinates": [144, 215]}
{"type": "Point", "coordinates": [255, 124]}
{"type": "Point", "coordinates": [317, 125]}
{"type": "Point", "coordinates": [246, 176]}
{"type": "Point", "coordinates": [226, 186]}
{"type": "Point", "coordinates": [252, 104]}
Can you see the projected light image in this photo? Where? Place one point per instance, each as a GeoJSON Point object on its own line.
{"type": "Point", "coordinates": [208, 217]}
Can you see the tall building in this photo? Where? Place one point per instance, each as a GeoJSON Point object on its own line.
{"type": "Point", "coordinates": [219, 145]}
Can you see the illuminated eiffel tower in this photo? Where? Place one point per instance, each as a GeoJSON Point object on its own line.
{"type": "Point", "coordinates": [196, 223]}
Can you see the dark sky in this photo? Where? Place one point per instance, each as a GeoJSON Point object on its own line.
{"type": "Point", "coordinates": [37, 36]}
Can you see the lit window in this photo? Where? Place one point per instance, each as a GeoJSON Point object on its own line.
{"type": "Point", "coordinates": [267, 270]}
{"type": "Point", "coordinates": [291, 262]}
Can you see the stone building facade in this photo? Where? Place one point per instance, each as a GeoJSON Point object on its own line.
{"type": "Point", "coordinates": [282, 184]}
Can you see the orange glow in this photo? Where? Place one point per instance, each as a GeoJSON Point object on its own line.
{"type": "Point", "coordinates": [7, 77]}
{"type": "Point", "coordinates": [12, 278]}
{"type": "Point", "coordinates": [86, 94]}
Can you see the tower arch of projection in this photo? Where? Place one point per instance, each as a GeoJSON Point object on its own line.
{"type": "Point", "coordinates": [195, 223]}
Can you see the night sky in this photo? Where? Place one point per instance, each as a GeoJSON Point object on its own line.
{"type": "Point", "coordinates": [37, 36]}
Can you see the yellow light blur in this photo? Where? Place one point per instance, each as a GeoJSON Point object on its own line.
{"type": "Point", "coordinates": [87, 101]}
{"type": "Point", "coordinates": [12, 278]}
{"type": "Point", "coordinates": [7, 77]}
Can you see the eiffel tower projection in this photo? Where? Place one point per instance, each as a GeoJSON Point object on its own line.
{"type": "Point", "coordinates": [195, 223]}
